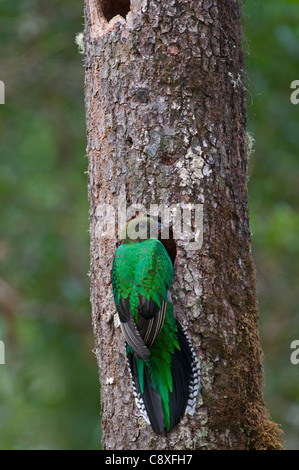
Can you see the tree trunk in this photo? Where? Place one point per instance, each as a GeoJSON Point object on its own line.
{"type": "Point", "coordinates": [166, 123]}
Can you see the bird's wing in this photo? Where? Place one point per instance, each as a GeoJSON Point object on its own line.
{"type": "Point", "coordinates": [150, 327]}
{"type": "Point", "coordinates": [145, 299]}
{"type": "Point", "coordinates": [153, 279]}
{"type": "Point", "coordinates": [129, 329]}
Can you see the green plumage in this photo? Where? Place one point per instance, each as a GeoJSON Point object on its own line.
{"type": "Point", "coordinates": [159, 363]}
{"type": "Point", "coordinates": [145, 269]}
{"type": "Point", "coordinates": [141, 268]}
{"type": "Point", "coordinates": [159, 356]}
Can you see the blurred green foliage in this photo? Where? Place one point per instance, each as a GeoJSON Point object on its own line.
{"type": "Point", "coordinates": [49, 392]}
{"type": "Point", "coordinates": [271, 45]}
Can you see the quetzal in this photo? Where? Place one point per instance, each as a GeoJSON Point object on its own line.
{"type": "Point", "coordinates": [162, 362]}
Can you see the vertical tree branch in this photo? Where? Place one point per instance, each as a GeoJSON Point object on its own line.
{"type": "Point", "coordinates": [166, 121]}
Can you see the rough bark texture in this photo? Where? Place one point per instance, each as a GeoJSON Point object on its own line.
{"type": "Point", "coordinates": [166, 121]}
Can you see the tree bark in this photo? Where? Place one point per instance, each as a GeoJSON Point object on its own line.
{"type": "Point", "coordinates": [166, 123]}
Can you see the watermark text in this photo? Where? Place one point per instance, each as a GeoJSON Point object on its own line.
{"type": "Point", "coordinates": [2, 353]}
{"type": "Point", "coordinates": [295, 354]}
{"type": "Point", "coordinates": [185, 220]}
{"type": "Point", "coordinates": [295, 95]}
{"type": "Point", "coordinates": [2, 92]}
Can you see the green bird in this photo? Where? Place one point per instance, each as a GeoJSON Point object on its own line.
{"type": "Point", "coordinates": [162, 363]}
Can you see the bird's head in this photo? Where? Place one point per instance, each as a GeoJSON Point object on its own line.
{"type": "Point", "coordinates": [139, 229]}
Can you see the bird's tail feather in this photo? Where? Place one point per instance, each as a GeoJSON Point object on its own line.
{"type": "Point", "coordinates": [147, 399]}
{"type": "Point", "coordinates": [185, 385]}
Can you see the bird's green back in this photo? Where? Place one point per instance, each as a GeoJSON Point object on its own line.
{"type": "Point", "coordinates": [145, 269]}
{"type": "Point", "coordinates": [142, 268]}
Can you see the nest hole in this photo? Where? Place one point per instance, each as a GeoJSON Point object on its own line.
{"type": "Point", "coordinates": [170, 245]}
{"type": "Point", "coordinates": [111, 8]}
{"type": "Point", "coordinates": [168, 242]}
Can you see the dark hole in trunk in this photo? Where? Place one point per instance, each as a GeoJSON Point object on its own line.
{"type": "Point", "coordinates": [112, 8]}
{"type": "Point", "coordinates": [168, 242]}
{"type": "Point", "coordinates": [170, 245]}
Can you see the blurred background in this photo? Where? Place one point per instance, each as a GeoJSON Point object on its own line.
{"type": "Point", "coordinates": [49, 392]}
{"type": "Point", "coordinates": [271, 46]}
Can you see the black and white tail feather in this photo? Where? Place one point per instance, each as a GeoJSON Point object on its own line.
{"type": "Point", "coordinates": [185, 367]}
{"type": "Point", "coordinates": [195, 378]}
